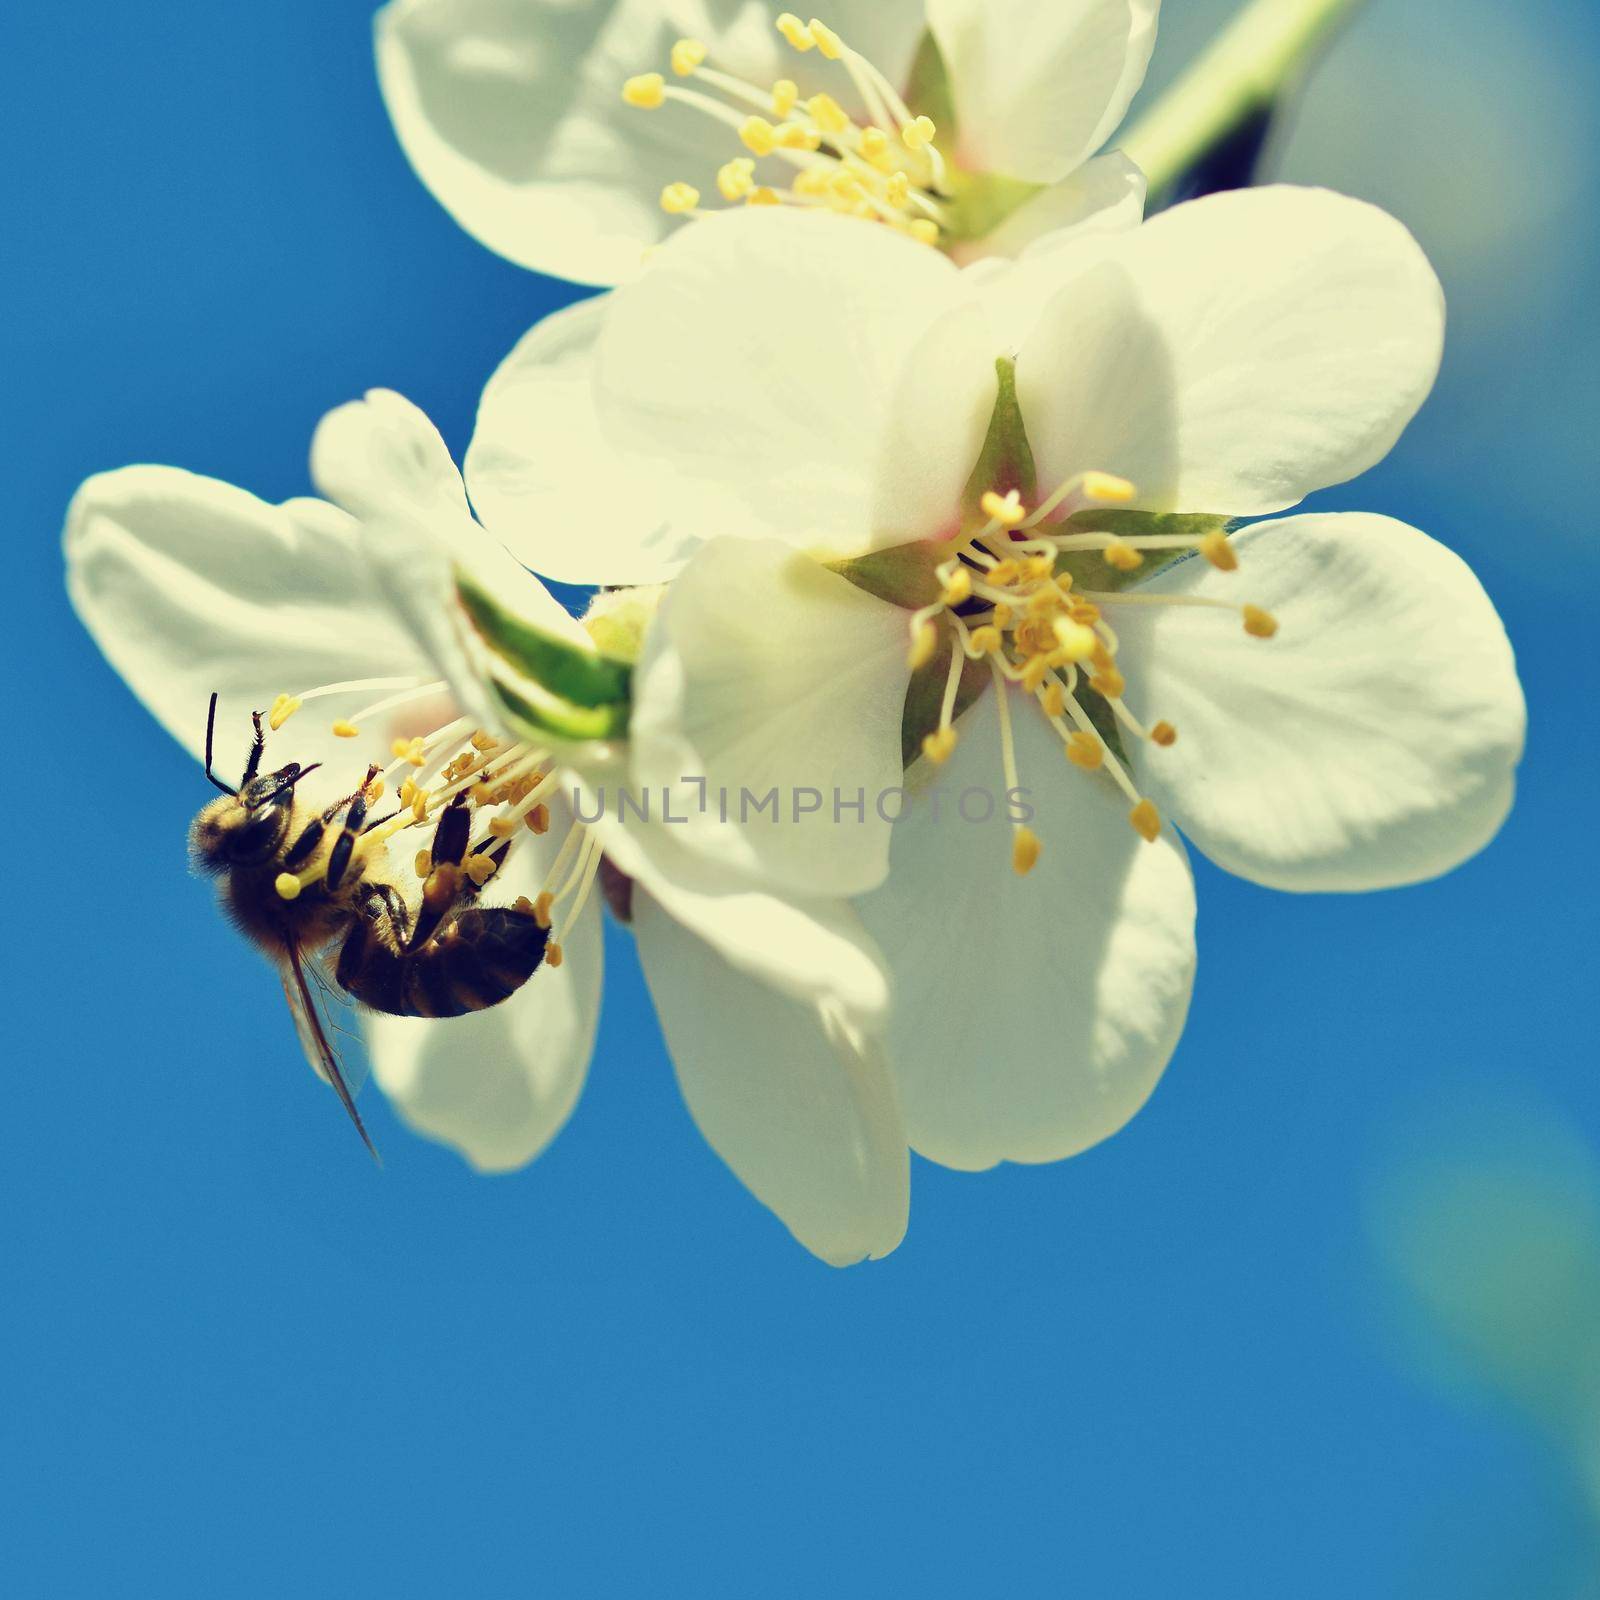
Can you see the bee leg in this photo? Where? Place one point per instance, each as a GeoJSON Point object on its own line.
{"type": "Point", "coordinates": [446, 881]}
{"type": "Point", "coordinates": [383, 905]}
{"type": "Point", "coordinates": [355, 820]}
{"type": "Point", "coordinates": [253, 765]}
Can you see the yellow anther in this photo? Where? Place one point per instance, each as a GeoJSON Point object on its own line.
{"type": "Point", "coordinates": [845, 185]}
{"type": "Point", "coordinates": [1034, 674]}
{"type": "Point", "coordinates": [538, 820]}
{"type": "Point", "coordinates": [1123, 557]}
{"type": "Point", "coordinates": [825, 39]}
{"type": "Point", "coordinates": [678, 199]}
{"type": "Point", "coordinates": [827, 113]}
{"type": "Point", "coordinates": [1086, 751]}
{"type": "Point", "coordinates": [345, 730]}
{"type": "Point", "coordinates": [481, 868]}
{"type": "Point", "coordinates": [958, 586]}
{"type": "Point", "coordinates": [1074, 641]}
{"type": "Point", "coordinates": [1002, 616]}
{"type": "Point", "coordinates": [647, 91]}
{"type": "Point", "coordinates": [553, 954]}
{"type": "Point", "coordinates": [796, 136]}
{"type": "Point", "coordinates": [375, 789]}
{"type": "Point", "coordinates": [1038, 568]}
{"type": "Point", "coordinates": [924, 230]}
{"type": "Point", "coordinates": [924, 641]}
{"type": "Point", "coordinates": [1064, 582]}
{"type": "Point", "coordinates": [442, 887]}
{"type": "Point", "coordinates": [1054, 700]}
{"type": "Point", "coordinates": [1004, 573]}
{"type": "Point", "coordinates": [523, 904]}
{"type": "Point", "coordinates": [939, 745]}
{"type": "Point", "coordinates": [541, 908]}
{"type": "Point", "coordinates": [1164, 734]}
{"type": "Point", "coordinates": [985, 639]}
{"type": "Point", "coordinates": [1025, 848]}
{"type": "Point", "coordinates": [484, 740]}
{"type": "Point", "coordinates": [399, 747]}
{"type": "Point", "coordinates": [918, 133]}
{"type": "Point", "coordinates": [1259, 624]}
{"type": "Point", "coordinates": [1084, 612]}
{"type": "Point", "coordinates": [481, 794]}
{"type": "Point", "coordinates": [816, 183]}
{"type": "Point", "coordinates": [785, 96]}
{"type": "Point", "coordinates": [502, 827]}
{"type": "Point", "coordinates": [763, 197]}
{"type": "Point", "coordinates": [687, 54]}
{"type": "Point", "coordinates": [897, 191]}
{"type": "Point", "coordinates": [1006, 509]}
{"type": "Point", "coordinates": [759, 136]}
{"type": "Point", "coordinates": [1216, 549]}
{"type": "Point", "coordinates": [1146, 821]}
{"type": "Point", "coordinates": [423, 864]}
{"type": "Point", "coordinates": [795, 31]}
{"type": "Point", "coordinates": [408, 792]}
{"type": "Point", "coordinates": [1044, 602]}
{"type": "Point", "coordinates": [419, 805]}
{"type": "Point", "coordinates": [875, 149]}
{"type": "Point", "coordinates": [283, 708]}
{"type": "Point", "coordinates": [1107, 488]}
{"type": "Point", "coordinates": [1109, 682]}
{"type": "Point", "coordinates": [287, 885]}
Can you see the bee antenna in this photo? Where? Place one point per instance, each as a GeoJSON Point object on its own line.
{"type": "Point", "coordinates": [211, 728]}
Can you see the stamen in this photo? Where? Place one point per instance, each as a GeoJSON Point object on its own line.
{"type": "Point", "coordinates": [1216, 549]}
{"type": "Point", "coordinates": [1146, 821]}
{"type": "Point", "coordinates": [283, 708]}
{"type": "Point", "coordinates": [1164, 734]}
{"type": "Point", "coordinates": [680, 199]}
{"type": "Point", "coordinates": [646, 91]}
{"type": "Point", "coordinates": [345, 730]}
{"type": "Point", "coordinates": [1259, 624]}
{"type": "Point", "coordinates": [687, 54]}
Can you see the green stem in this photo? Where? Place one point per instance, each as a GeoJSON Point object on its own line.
{"type": "Point", "coordinates": [1244, 70]}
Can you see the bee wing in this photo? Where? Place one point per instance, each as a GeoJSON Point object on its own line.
{"type": "Point", "coordinates": [306, 990]}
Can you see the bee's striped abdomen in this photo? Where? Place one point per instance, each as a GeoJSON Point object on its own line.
{"type": "Point", "coordinates": [481, 957]}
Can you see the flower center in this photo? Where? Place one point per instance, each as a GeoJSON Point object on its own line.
{"type": "Point", "coordinates": [885, 169]}
{"type": "Point", "coordinates": [1005, 602]}
{"type": "Point", "coordinates": [506, 782]}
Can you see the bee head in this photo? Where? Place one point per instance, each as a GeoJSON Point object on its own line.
{"type": "Point", "coordinates": [245, 829]}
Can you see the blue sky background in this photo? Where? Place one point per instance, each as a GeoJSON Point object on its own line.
{"type": "Point", "coordinates": [1273, 1339]}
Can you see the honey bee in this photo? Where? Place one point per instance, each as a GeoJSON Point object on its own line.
{"type": "Point", "coordinates": [299, 882]}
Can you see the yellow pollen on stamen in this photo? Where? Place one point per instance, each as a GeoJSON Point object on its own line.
{"type": "Point", "coordinates": [923, 230]}
{"type": "Point", "coordinates": [1122, 556]}
{"type": "Point", "coordinates": [795, 31]}
{"type": "Point", "coordinates": [826, 40]}
{"type": "Point", "coordinates": [939, 745]}
{"type": "Point", "coordinates": [985, 639]}
{"type": "Point", "coordinates": [687, 54]}
{"type": "Point", "coordinates": [875, 149]}
{"type": "Point", "coordinates": [1216, 549]}
{"type": "Point", "coordinates": [502, 827]}
{"type": "Point", "coordinates": [1054, 700]}
{"type": "Point", "coordinates": [759, 136]}
{"type": "Point", "coordinates": [1025, 851]}
{"type": "Point", "coordinates": [1108, 488]}
{"type": "Point", "coordinates": [897, 191]}
{"type": "Point", "coordinates": [678, 199]}
{"type": "Point", "coordinates": [647, 91]}
{"type": "Point", "coordinates": [763, 197]}
{"type": "Point", "coordinates": [827, 113]}
{"type": "Point", "coordinates": [484, 741]}
{"type": "Point", "coordinates": [1075, 641]}
{"type": "Point", "coordinates": [553, 956]}
{"type": "Point", "coordinates": [481, 868]}
{"type": "Point", "coordinates": [541, 908]}
{"type": "Point", "coordinates": [538, 820]}
{"type": "Point", "coordinates": [1164, 734]}
{"type": "Point", "coordinates": [796, 136]}
{"type": "Point", "coordinates": [1259, 624]}
{"type": "Point", "coordinates": [1085, 751]}
{"type": "Point", "coordinates": [345, 730]}
{"type": "Point", "coordinates": [1108, 682]}
{"type": "Point", "coordinates": [419, 805]}
{"type": "Point", "coordinates": [283, 708]}
{"type": "Point", "coordinates": [918, 133]}
{"type": "Point", "coordinates": [1006, 509]}
{"type": "Point", "coordinates": [958, 586]}
{"type": "Point", "coordinates": [287, 885]}
{"type": "Point", "coordinates": [1146, 821]}
{"type": "Point", "coordinates": [785, 96]}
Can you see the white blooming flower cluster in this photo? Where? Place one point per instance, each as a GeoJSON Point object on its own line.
{"type": "Point", "coordinates": [923, 481]}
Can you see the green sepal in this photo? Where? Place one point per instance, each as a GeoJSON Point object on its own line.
{"type": "Point", "coordinates": [903, 574]}
{"type": "Point", "coordinates": [925, 698]}
{"type": "Point", "coordinates": [536, 721]}
{"type": "Point", "coordinates": [583, 678]}
{"type": "Point", "coordinates": [1006, 460]}
{"type": "Point", "coordinates": [1089, 568]}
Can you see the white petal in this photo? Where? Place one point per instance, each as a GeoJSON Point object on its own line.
{"type": "Point", "coordinates": [380, 452]}
{"type": "Point", "coordinates": [497, 1085]}
{"type": "Point", "coordinates": [1371, 743]}
{"type": "Point", "coordinates": [757, 360]}
{"type": "Point", "coordinates": [1032, 1016]}
{"type": "Point", "coordinates": [798, 1101]}
{"type": "Point", "coordinates": [191, 586]}
{"type": "Point", "coordinates": [1039, 85]}
{"type": "Point", "coordinates": [512, 114]}
{"type": "Point", "coordinates": [762, 671]}
{"type": "Point", "coordinates": [1235, 353]}
{"type": "Point", "coordinates": [545, 480]}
